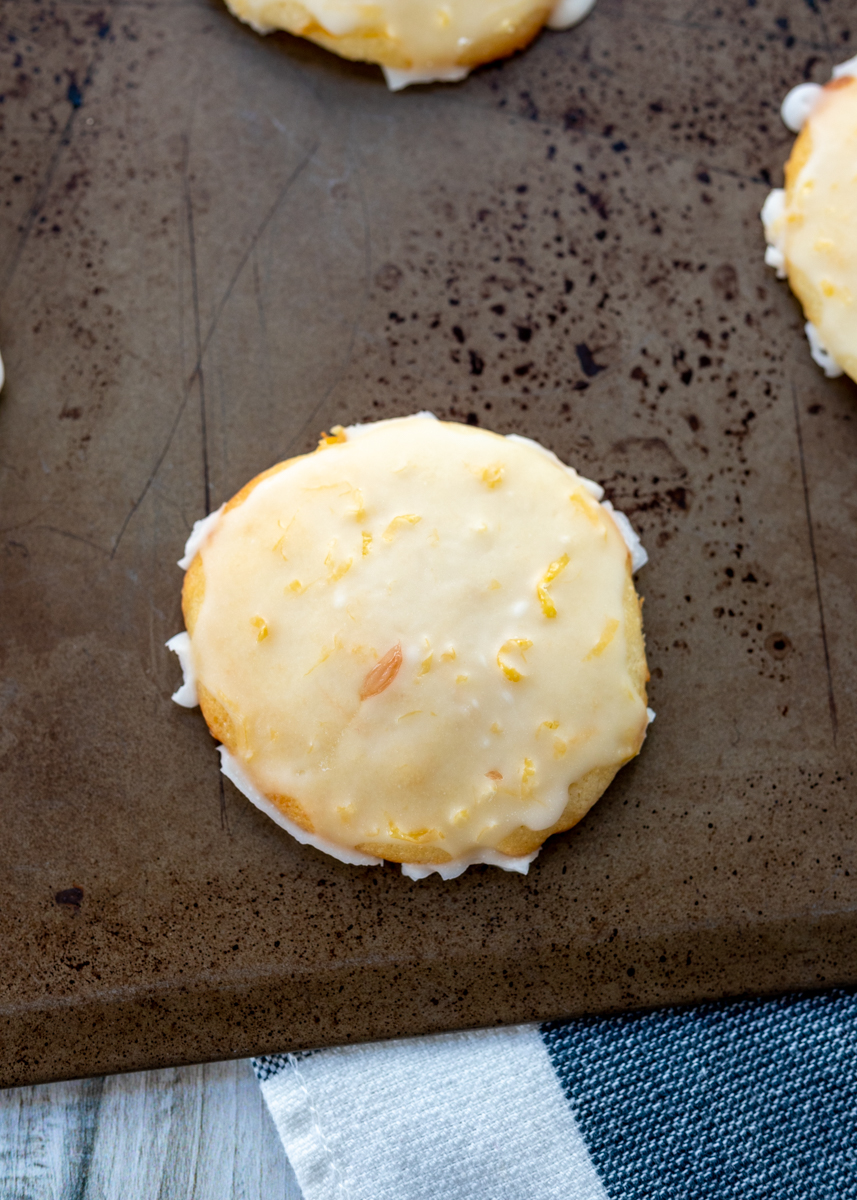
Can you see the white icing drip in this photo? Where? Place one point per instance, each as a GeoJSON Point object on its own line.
{"type": "Point", "coordinates": [186, 695]}
{"type": "Point", "coordinates": [849, 67]}
{"type": "Point", "coordinates": [798, 104]}
{"type": "Point", "coordinates": [776, 259]}
{"type": "Point", "coordinates": [801, 100]}
{"type": "Point", "coordinates": [398, 78]}
{"type": "Point", "coordinates": [639, 557]}
{"type": "Point", "coordinates": [566, 13]}
{"type": "Point", "coordinates": [595, 489]}
{"type": "Point", "coordinates": [821, 356]}
{"type": "Point", "coordinates": [651, 714]}
{"type": "Point", "coordinates": [452, 870]}
{"type": "Point", "coordinates": [232, 769]}
{"type": "Point", "coordinates": [201, 530]}
{"type": "Point", "coordinates": [773, 211]}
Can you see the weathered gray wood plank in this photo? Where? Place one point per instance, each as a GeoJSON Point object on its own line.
{"type": "Point", "coordinates": [189, 1133]}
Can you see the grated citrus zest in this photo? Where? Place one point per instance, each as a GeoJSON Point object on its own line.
{"type": "Point", "coordinates": [414, 835]}
{"type": "Point", "coordinates": [511, 673]}
{"type": "Point", "coordinates": [401, 519]}
{"type": "Point", "coordinates": [556, 567]}
{"type": "Point", "coordinates": [589, 508]}
{"type": "Point", "coordinates": [492, 476]}
{"type": "Point", "coordinates": [604, 641]}
{"type": "Point", "coordinates": [336, 435]}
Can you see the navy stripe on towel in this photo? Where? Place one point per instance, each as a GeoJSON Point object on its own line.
{"type": "Point", "coordinates": [754, 1099]}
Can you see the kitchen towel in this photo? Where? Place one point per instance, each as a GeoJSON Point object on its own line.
{"type": "Point", "coordinates": [753, 1099]}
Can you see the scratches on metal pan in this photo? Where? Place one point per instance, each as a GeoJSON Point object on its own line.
{"type": "Point", "coordinates": [831, 699]}
{"type": "Point", "coordinates": [205, 342]}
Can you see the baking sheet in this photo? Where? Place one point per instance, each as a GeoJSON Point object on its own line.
{"type": "Point", "coordinates": [215, 245]}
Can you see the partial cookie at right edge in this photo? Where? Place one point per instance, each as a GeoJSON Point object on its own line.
{"type": "Point", "coordinates": [810, 225]}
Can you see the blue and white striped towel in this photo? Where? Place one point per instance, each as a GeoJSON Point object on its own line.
{"type": "Point", "coordinates": [754, 1100]}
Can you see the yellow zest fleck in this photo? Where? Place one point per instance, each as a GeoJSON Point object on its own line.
{"type": "Point", "coordinates": [434, 537]}
{"type": "Point", "coordinates": [494, 584]}
{"type": "Point", "coordinates": [402, 519]}
{"type": "Point", "coordinates": [493, 775]}
{"type": "Point", "coordinates": [549, 725]}
{"type": "Point", "coordinates": [414, 835]}
{"type": "Point", "coordinates": [383, 673]}
{"type": "Point", "coordinates": [527, 774]}
{"type": "Point", "coordinates": [493, 476]}
{"type": "Point", "coordinates": [278, 545]}
{"type": "Point", "coordinates": [460, 817]}
{"type": "Point", "coordinates": [511, 673]}
{"type": "Point", "coordinates": [448, 655]}
{"type": "Point", "coordinates": [336, 435]}
{"type": "Point", "coordinates": [586, 505]}
{"type": "Point", "coordinates": [325, 655]}
{"type": "Point", "coordinates": [559, 747]}
{"type": "Point", "coordinates": [261, 627]}
{"type": "Point", "coordinates": [461, 679]}
{"type": "Point", "coordinates": [415, 713]}
{"type": "Point", "coordinates": [496, 728]}
{"type": "Point", "coordinates": [442, 17]}
{"type": "Point", "coordinates": [604, 641]}
{"type": "Point", "coordinates": [334, 573]}
{"type": "Point", "coordinates": [556, 567]}
{"type": "Point", "coordinates": [296, 586]}
{"type": "Point", "coordinates": [426, 665]}
{"type": "Point", "coordinates": [346, 811]}
{"type": "Point", "coordinates": [367, 542]}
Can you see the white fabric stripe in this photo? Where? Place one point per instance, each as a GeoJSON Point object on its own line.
{"type": "Point", "coordinates": [462, 1116]}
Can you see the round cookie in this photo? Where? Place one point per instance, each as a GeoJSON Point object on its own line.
{"type": "Point", "coordinates": [420, 643]}
{"type": "Point", "coordinates": [810, 224]}
{"type": "Point", "coordinates": [414, 41]}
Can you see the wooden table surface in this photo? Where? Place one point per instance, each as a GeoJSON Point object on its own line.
{"type": "Point", "coordinates": [189, 1133]}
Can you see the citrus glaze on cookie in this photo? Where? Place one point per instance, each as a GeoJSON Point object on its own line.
{"type": "Point", "coordinates": [421, 643]}
{"type": "Point", "coordinates": [417, 41]}
{"type": "Point", "coordinates": [811, 228]}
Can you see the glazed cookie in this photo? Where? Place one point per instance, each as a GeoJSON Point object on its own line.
{"type": "Point", "coordinates": [810, 224]}
{"type": "Point", "coordinates": [415, 41]}
{"type": "Point", "coordinates": [420, 643]}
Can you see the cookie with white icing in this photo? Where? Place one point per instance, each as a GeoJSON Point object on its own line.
{"type": "Point", "coordinates": [811, 224]}
{"type": "Point", "coordinates": [415, 41]}
{"type": "Point", "coordinates": [420, 643]}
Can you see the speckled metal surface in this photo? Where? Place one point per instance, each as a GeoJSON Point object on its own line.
{"type": "Point", "coordinates": [214, 245]}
